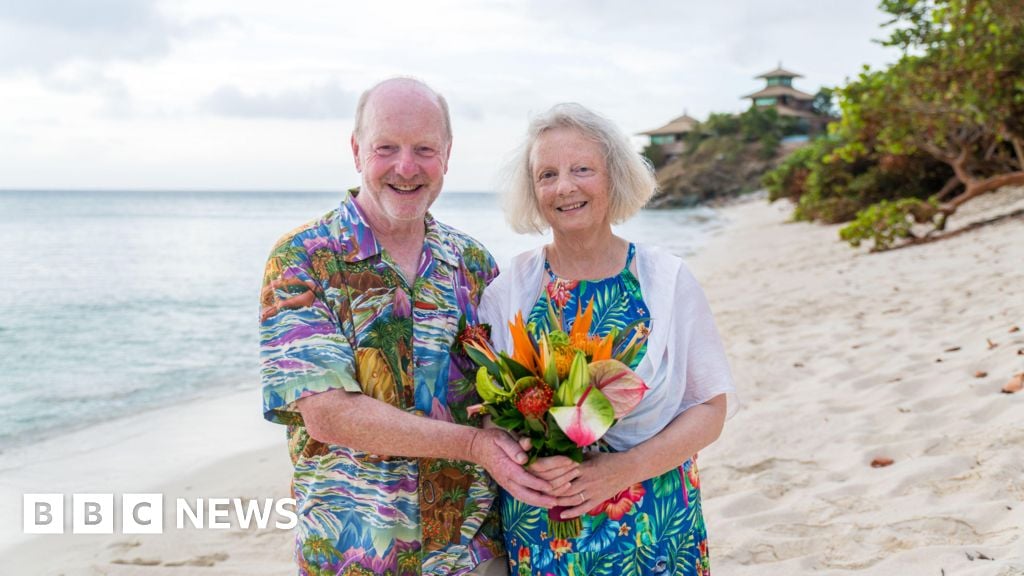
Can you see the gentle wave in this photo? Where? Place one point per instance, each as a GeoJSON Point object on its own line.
{"type": "Point", "coordinates": [118, 302]}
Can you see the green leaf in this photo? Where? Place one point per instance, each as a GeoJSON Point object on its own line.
{"type": "Point", "coordinates": [483, 361]}
{"type": "Point", "coordinates": [551, 369]}
{"type": "Point", "coordinates": [523, 384]}
{"type": "Point", "coordinates": [518, 370]}
{"type": "Point", "coordinates": [534, 424]}
{"type": "Point", "coordinates": [486, 388]}
{"type": "Point", "coordinates": [510, 420]}
{"type": "Point", "coordinates": [579, 379]}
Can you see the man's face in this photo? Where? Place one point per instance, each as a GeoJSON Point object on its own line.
{"type": "Point", "coordinates": [402, 155]}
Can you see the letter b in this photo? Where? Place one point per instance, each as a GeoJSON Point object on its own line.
{"type": "Point", "coordinates": [43, 513]}
{"type": "Point", "coordinates": [92, 513]}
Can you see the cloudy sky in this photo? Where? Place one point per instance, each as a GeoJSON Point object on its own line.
{"type": "Point", "coordinates": [258, 94]}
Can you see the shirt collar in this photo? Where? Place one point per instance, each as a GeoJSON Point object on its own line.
{"type": "Point", "coordinates": [360, 241]}
{"type": "Point", "coordinates": [363, 244]}
{"type": "Point", "coordinates": [440, 242]}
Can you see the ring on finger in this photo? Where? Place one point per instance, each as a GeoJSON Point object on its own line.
{"type": "Point", "coordinates": [582, 497]}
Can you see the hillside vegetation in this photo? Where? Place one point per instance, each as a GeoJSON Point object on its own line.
{"type": "Point", "coordinates": [940, 127]}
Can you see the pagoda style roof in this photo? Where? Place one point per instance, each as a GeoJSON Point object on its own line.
{"type": "Point", "coordinates": [680, 125]}
{"type": "Point", "coordinates": [787, 111]}
{"type": "Point", "coordinates": [780, 71]}
{"type": "Point", "coordinates": [771, 91]}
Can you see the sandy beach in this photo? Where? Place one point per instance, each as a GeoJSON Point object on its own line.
{"type": "Point", "coordinates": [842, 358]}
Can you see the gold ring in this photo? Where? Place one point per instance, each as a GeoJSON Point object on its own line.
{"type": "Point", "coordinates": [582, 498]}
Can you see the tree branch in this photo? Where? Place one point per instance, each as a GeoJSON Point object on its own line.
{"type": "Point", "coordinates": [1018, 149]}
{"type": "Point", "coordinates": [979, 187]}
{"type": "Point", "coordinates": [948, 188]}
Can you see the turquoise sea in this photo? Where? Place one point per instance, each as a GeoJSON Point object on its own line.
{"type": "Point", "coordinates": [119, 302]}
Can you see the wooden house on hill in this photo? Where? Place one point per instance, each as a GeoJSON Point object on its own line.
{"type": "Point", "coordinates": [780, 94]}
{"type": "Point", "coordinates": [671, 137]}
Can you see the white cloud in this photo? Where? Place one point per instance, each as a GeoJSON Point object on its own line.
{"type": "Point", "coordinates": [39, 35]}
{"type": "Point", "coordinates": [254, 93]}
{"type": "Point", "coordinates": [327, 100]}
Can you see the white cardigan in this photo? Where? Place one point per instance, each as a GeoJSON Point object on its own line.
{"type": "Point", "coordinates": [685, 362]}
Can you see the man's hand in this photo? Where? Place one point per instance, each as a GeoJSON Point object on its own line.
{"type": "Point", "coordinates": [503, 458]}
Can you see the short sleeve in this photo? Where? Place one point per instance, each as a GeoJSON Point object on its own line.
{"type": "Point", "coordinates": [303, 350]}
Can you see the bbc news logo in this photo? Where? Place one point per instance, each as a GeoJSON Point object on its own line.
{"type": "Point", "coordinates": [144, 513]}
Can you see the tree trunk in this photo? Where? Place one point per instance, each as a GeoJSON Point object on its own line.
{"type": "Point", "coordinates": [975, 188]}
{"type": "Point", "coordinates": [1018, 148]}
{"type": "Point", "coordinates": [947, 189]}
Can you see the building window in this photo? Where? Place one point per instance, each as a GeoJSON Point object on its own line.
{"type": "Point", "coordinates": [764, 102]}
{"type": "Point", "coordinates": [662, 139]}
{"type": "Point", "coordinates": [780, 81]}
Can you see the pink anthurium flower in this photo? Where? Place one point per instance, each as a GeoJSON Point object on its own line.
{"type": "Point", "coordinates": [621, 385]}
{"type": "Point", "coordinates": [585, 414]}
{"type": "Point", "coordinates": [586, 421]}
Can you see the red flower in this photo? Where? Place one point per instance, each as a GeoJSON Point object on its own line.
{"type": "Point", "coordinates": [692, 475]}
{"type": "Point", "coordinates": [560, 547]}
{"type": "Point", "coordinates": [617, 506]}
{"type": "Point", "coordinates": [535, 401]}
{"type": "Point", "coordinates": [475, 334]}
{"type": "Point", "coordinates": [477, 337]}
{"type": "Point", "coordinates": [560, 290]}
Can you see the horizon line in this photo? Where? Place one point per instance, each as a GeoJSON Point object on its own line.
{"type": "Point", "coordinates": [210, 190]}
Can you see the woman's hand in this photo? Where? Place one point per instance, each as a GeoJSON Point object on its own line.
{"type": "Point", "coordinates": [600, 477]}
{"type": "Point", "coordinates": [560, 471]}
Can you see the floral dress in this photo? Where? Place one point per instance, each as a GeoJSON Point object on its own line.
{"type": "Point", "coordinates": [653, 527]}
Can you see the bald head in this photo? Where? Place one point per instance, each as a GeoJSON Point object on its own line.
{"type": "Point", "coordinates": [399, 86]}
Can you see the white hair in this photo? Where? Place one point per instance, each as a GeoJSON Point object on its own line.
{"type": "Point", "coordinates": [630, 176]}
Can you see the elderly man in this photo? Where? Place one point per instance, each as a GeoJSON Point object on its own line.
{"type": "Point", "coordinates": [359, 311]}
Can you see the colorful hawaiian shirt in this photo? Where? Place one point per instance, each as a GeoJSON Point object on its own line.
{"type": "Point", "coordinates": [336, 313]}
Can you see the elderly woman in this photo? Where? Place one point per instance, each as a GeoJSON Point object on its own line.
{"type": "Point", "coordinates": [638, 497]}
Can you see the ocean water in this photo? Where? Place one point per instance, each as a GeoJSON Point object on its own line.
{"type": "Point", "coordinates": [118, 302]}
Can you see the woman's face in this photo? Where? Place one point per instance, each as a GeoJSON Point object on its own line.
{"type": "Point", "coordinates": [570, 179]}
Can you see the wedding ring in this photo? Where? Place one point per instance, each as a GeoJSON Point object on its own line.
{"type": "Point", "coordinates": [582, 498]}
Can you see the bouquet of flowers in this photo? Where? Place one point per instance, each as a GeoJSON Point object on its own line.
{"type": "Point", "coordinates": [562, 390]}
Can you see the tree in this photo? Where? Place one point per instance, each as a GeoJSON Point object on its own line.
{"type": "Point", "coordinates": [956, 94]}
{"type": "Point", "coordinates": [824, 103]}
{"type": "Point", "coordinates": [654, 154]}
{"type": "Point", "coordinates": [916, 140]}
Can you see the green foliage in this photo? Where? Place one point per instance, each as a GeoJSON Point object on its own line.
{"type": "Point", "coordinates": [654, 154]}
{"type": "Point", "coordinates": [957, 89]}
{"type": "Point", "coordinates": [949, 111]}
{"type": "Point", "coordinates": [719, 124]}
{"type": "Point", "coordinates": [886, 222]}
{"type": "Point", "coordinates": [831, 187]}
{"type": "Point", "coordinates": [824, 102]}
{"type": "Point", "coordinates": [729, 132]}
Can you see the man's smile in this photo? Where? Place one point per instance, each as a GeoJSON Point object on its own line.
{"type": "Point", "coordinates": [405, 188]}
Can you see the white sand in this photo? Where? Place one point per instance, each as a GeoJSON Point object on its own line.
{"type": "Point", "coordinates": [835, 351]}
{"type": "Point", "coordinates": [219, 448]}
{"type": "Point", "coordinates": [842, 357]}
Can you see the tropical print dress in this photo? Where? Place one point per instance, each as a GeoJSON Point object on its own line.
{"type": "Point", "coordinates": [653, 527]}
{"type": "Point", "coordinates": [336, 314]}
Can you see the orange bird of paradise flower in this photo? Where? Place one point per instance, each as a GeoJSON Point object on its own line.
{"type": "Point", "coordinates": [523, 350]}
